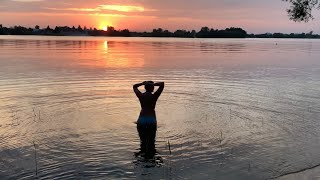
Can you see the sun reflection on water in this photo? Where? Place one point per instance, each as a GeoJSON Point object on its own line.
{"type": "Point", "coordinates": [119, 56]}
{"type": "Point", "coordinates": [106, 54]}
{"type": "Point", "coordinates": [106, 46]}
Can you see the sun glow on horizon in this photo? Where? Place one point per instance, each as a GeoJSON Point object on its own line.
{"type": "Point", "coordinates": [104, 25]}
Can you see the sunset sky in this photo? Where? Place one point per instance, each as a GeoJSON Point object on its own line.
{"type": "Point", "coordinates": [255, 16]}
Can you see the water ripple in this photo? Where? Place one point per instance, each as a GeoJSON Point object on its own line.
{"type": "Point", "coordinates": [231, 109]}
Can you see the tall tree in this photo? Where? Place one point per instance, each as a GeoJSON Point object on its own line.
{"type": "Point", "coordinates": [79, 28]}
{"type": "Point", "coordinates": [301, 10]}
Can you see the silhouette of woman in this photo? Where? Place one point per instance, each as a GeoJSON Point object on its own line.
{"type": "Point", "coordinates": [147, 121]}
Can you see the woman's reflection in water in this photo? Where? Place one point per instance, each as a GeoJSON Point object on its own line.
{"type": "Point", "coordinates": [148, 157]}
{"type": "Point", "coordinates": [147, 134]}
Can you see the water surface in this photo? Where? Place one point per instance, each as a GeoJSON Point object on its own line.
{"type": "Point", "coordinates": [231, 108]}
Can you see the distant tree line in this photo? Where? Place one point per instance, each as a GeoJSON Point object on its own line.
{"type": "Point", "coordinates": [62, 31]}
{"type": "Point", "coordinates": [205, 32]}
{"type": "Point", "coordinates": [309, 35]}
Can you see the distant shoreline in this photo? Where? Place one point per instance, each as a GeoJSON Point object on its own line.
{"type": "Point", "coordinates": [205, 32]}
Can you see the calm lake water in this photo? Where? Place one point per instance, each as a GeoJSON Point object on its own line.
{"type": "Point", "coordinates": [231, 108]}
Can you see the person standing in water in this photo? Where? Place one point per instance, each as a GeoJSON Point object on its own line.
{"type": "Point", "coordinates": [147, 121]}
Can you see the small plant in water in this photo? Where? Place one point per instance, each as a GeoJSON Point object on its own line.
{"type": "Point", "coordinates": [230, 114]}
{"type": "Point", "coordinates": [220, 138]}
{"type": "Point", "coordinates": [35, 158]}
{"type": "Point", "coordinates": [35, 115]}
{"type": "Point", "coordinates": [221, 153]}
{"type": "Point", "coordinates": [169, 147]}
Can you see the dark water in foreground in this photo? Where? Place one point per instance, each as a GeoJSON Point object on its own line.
{"type": "Point", "coordinates": [231, 109]}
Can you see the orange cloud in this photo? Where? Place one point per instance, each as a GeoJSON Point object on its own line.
{"type": "Point", "coordinates": [123, 8]}
{"type": "Point", "coordinates": [28, 0]}
{"type": "Point", "coordinates": [120, 8]}
{"type": "Point", "coordinates": [112, 15]}
{"type": "Point", "coordinates": [61, 14]}
{"type": "Point", "coordinates": [74, 9]}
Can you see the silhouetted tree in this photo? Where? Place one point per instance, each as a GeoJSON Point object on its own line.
{"type": "Point", "coordinates": [203, 33]}
{"type": "Point", "coordinates": [232, 32]}
{"type": "Point", "coordinates": [301, 10]}
{"type": "Point", "coordinates": [57, 30]}
{"type": "Point", "coordinates": [309, 35]}
{"type": "Point", "coordinates": [37, 27]}
{"type": "Point", "coordinates": [79, 28]}
{"type": "Point", "coordinates": [157, 32]}
{"type": "Point", "coordinates": [2, 32]}
{"type": "Point", "coordinates": [204, 29]}
{"type": "Point", "coordinates": [193, 33]}
{"type": "Point", "coordinates": [181, 33]}
{"type": "Point", "coordinates": [110, 29]}
{"type": "Point", "coordinates": [166, 33]}
{"type": "Point", "coordinates": [17, 30]}
{"type": "Point", "coordinates": [125, 33]}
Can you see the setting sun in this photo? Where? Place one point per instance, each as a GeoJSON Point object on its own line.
{"type": "Point", "coordinates": [104, 26]}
